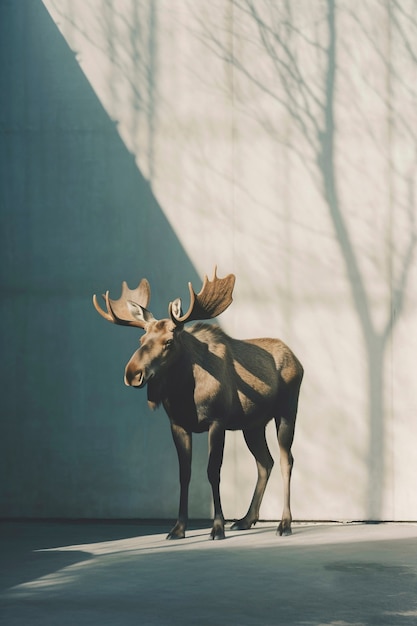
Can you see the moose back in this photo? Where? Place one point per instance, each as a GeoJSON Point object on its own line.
{"type": "Point", "coordinates": [208, 381]}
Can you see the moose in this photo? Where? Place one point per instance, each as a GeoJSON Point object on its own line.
{"type": "Point", "coordinates": [209, 382]}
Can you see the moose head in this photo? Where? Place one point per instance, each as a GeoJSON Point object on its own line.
{"type": "Point", "coordinates": [159, 344]}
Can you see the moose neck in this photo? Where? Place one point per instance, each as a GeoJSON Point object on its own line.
{"type": "Point", "coordinates": [174, 385]}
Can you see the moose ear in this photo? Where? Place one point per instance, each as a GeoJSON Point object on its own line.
{"type": "Point", "coordinates": [139, 312]}
{"type": "Point", "coordinates": [175, 308]}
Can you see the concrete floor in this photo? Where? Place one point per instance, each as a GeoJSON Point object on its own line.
{"type": "Point", "coordinates": [125, 574]}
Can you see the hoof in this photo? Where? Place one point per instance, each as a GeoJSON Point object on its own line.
{"type": "Point", "coordinates": [178, 532]}
{"type": "Point", "coordinates": [174, 536]}
{"type": "Point", "coordinates": [284, 530]}
{"type": "Point", "coordinates": [242, 524]}
{"type": "Point", "coordinates": [217, 534]}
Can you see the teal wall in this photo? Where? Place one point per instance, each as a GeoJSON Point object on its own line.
{"type": "Point", "coordinates": [77, 218]}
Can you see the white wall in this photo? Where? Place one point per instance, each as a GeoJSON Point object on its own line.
{"type": "Point", "coordinates": [281, 147]}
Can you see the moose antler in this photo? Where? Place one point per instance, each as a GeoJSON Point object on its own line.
{"type": "Point", "coordinates": [214, 298]}
{"type": "Point", "coordinates": [118, 311]}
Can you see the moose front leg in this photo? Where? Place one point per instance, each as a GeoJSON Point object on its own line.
{"type": "Point", "coordinates": [183, 444]}
{"type": "Point", "coordinates": [216, 438]}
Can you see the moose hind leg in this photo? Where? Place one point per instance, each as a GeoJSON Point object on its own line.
{"type": "Point", "coordinates": [256, 442]}
{"type": "Point", "coordinates": [285, 432]}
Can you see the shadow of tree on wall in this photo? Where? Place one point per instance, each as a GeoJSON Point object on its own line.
{"type": "Point", "coordinates": [272, 32]}
{"type": "Point", "coordinates": [77, 217]}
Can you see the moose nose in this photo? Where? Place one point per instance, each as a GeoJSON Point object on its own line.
{"type": "Point", "coordinates": [127, 380]}
{"type": "Point", "coordinates": [134, 378]}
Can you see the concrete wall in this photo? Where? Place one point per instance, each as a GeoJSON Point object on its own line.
{"type": "Point", "coordinates": [157, 139]}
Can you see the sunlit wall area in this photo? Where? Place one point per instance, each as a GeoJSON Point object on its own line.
{"type": "Point", "coordinates": [158, 139]}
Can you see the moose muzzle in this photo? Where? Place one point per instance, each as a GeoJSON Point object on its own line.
{"type": "Point", "coordinates": [136, 380]}
{"type": "Point", "coordinates": [134, 377]}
